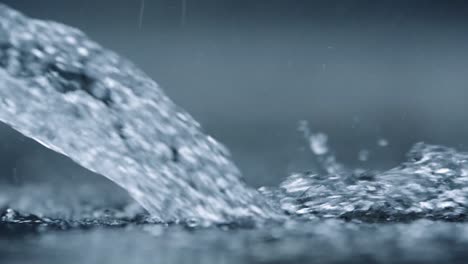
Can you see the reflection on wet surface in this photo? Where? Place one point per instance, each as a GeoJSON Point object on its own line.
{"type": "Point", "coordinates": [328, 241]}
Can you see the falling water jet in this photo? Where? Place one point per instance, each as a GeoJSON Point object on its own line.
{"type": "Point", "coordinates": [65, 91]}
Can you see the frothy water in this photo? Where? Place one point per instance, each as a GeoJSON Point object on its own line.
{"type": "Point", "coordinates": [71, 95]}
{"type": "Point", "coordinates": [432, 183]}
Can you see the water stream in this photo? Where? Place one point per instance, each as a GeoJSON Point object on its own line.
{"type": "Point", "coordinates": [65, 91]}
{"type": "Point", "coordinates": [73, 96]}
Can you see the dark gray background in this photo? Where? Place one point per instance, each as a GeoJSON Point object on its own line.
{"type": "Point", "coordinates": [249, 70]}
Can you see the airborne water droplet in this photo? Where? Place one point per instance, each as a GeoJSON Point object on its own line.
{"type": "Point", "coordinates": [318, 143]}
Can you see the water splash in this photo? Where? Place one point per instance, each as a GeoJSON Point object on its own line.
{"type": "Point", "coordinates": [68, 93]}
{"type": "Point", "coordinates": [432, 183]}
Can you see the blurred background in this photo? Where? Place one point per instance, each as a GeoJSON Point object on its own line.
{"type": "Point", "coordinates": [250, 70]}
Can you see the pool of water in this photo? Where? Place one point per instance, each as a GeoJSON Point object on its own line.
{"type": "Point", "coordinates": [324, 241]}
